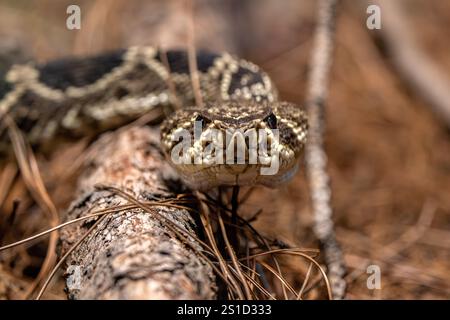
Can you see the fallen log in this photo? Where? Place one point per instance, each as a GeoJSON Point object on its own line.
{"type": "Point", "coordinates": [132, 254]}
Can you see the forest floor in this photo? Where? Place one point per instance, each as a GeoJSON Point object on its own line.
{"type": "Point", "coordinates": [389, 155]}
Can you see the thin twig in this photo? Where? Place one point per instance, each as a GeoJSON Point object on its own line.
{"type": "Point", "coordinates": [316, 160]}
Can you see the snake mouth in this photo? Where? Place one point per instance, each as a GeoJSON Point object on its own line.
{"type": "Point", "coordinates": [203, 177]}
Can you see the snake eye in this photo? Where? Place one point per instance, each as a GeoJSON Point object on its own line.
{"type": "Point", "coordinates": [199, 117]}
{"type": "Point", "coordinates": [271, 121]}
{"type": "Point", "coordinates": [202, 119]}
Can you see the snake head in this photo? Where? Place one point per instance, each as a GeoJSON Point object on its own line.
{"type": "Point", "coordinates": [235, 143]}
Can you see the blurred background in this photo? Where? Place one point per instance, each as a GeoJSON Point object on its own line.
{"type": "Point", "coordinates": [388, 152]}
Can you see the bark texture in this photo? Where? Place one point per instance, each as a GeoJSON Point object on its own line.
{"type": "Point", "coordinates": [131, 254]}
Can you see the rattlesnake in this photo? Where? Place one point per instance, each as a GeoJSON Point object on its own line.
{"type": "Point", "coordinates": [76, 97]}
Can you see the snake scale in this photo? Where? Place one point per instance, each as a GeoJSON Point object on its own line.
{"type": "Point", "coordinates": [76, 97]}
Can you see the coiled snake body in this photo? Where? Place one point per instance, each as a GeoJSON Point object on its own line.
{"type": "Point", "coordinates": [85, 96]}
